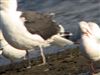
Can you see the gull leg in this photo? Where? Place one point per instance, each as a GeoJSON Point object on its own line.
{"type": "Point", "coordinates": [92, 68]}
{"type": "Point", "coordinates": [12, 65]}
{"type": "Point", "coordinates": [28, 59]}
{"type": "Point", "coordinates": [43, 56]}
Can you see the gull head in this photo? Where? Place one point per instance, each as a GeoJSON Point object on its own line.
{"type": "Point", "coordinates": [95, 29]}
{"type": "Point", "coordinates": [85, 29]}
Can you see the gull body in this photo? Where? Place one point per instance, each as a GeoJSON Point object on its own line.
{"type": "Point", "coordinates": [90, 42]}
{"type": "Point", "coordinates": [9, 51]}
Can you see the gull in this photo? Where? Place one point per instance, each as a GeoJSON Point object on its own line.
{"type": "Point", "coordinates": [22, 35]}
{"type": "Point", "coordinates": [9, 51]}
{"type": "Point", "coordinates": [90, 42]}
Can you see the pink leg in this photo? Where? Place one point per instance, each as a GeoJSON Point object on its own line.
{"type": "Point", "coordinates": [92, 67]}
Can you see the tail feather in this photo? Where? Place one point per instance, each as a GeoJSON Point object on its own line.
{"type": "Point", "coordinates": [64, 33]}
{"type": "Point", "coordinates": [58, 40]}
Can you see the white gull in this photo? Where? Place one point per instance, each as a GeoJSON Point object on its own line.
{"type": "Point", "coordinates": [90, 41]}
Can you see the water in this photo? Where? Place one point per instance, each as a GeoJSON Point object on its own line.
{"type": "Point", "coordinates": [68, 13]}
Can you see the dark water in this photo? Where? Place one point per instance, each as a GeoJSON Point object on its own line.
{"type": "Point", "coordinates": [68, 12]}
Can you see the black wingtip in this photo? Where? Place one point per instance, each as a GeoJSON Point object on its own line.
{"type": "Point", "coordinates": [66, 34]}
